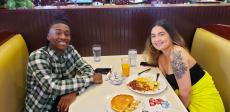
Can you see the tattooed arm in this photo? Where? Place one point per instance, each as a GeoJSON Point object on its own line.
{"type": "Point", "coordinates": [180, 67]}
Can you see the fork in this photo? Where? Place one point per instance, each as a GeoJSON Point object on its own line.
{"type": "Point", "coordinates": [155, 83]}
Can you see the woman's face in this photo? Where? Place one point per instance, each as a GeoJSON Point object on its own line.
{"type": "Point", "coordinates": [59, 36]}
{"type": "Point", "coordinates": [160, 38]}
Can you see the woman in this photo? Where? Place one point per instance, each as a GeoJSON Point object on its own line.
{"type": "Point", "coordinates": [194, 86]}
{"type": "Point", "coordinates": [56, 73]}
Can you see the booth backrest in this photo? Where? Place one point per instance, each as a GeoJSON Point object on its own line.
{"type": "Point", "coordinates": [212, 52]}
{"type": "Point", "coordinates": [219, 29]}
{"type": "Point", "coordinates": [4, 36]}
{"type": "Point", "coordinates": [13, 60]}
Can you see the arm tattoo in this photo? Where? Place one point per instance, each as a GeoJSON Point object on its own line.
{"type": "Point", "coordinates": [178, 66]}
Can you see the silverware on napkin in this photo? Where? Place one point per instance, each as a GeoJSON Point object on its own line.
{"type": "Point", "coordinates": [144, 71]}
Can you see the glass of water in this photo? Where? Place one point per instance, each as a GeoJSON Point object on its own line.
{"type": "Point", "coordinates": [96, 52]}
{"type": "Point", "coordinates": [132, 57]}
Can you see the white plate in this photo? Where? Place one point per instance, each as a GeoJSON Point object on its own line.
{"type": "Point", "coordinates": [109, 98]}
{"type": "Point", "coordinates": [161, 80]}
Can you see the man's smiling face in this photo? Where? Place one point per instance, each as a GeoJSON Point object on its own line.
{"type": "Point", "coordinates": [59, 36]}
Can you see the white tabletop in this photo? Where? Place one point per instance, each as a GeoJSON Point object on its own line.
{"type": "Point", "coordinates": [95, 98]}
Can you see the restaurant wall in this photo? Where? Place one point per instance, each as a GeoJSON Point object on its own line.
{"type": "Point", "coordinates": [116, 29]}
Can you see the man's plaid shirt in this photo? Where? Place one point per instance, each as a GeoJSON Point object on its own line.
{"type": "Point", "coordinates": [50, 74]}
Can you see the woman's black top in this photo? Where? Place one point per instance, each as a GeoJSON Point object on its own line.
{"type": "Point", "coordinates": [196, 73]}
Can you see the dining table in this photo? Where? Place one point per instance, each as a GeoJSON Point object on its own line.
{"type": "Point", "coordinates": [97, 98]}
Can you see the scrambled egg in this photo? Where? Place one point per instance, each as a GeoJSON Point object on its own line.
{"type": "Point", "coordinates": [148, 81]}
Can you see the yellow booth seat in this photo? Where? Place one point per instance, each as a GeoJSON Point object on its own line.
{"type": "Point", "coordinates": [213, 53]}
{"type": "Point", "coordinates": [13, 60]}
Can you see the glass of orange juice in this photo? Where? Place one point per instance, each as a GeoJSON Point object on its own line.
{"type": "Point", "coordinates": [125, 66]}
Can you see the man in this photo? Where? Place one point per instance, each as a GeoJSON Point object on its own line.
{"type": "Point", "coordinates": [56, 73]}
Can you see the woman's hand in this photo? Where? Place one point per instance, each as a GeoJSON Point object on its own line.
{"type": "Point", "coordinates": [65, 101]}
{"type": "Point", "coordinates": [97, 78]}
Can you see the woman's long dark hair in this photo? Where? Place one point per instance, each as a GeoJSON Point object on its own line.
{"type": "Point", "coordinates": [152, 54]}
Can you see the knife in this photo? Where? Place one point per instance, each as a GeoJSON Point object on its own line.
{"type": "Point", "coordinates": [144, 71]}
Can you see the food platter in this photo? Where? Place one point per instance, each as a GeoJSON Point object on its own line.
{"type": "Point", "coordinates": [162, 84]}
{"type": "Point", "coordinates": [109, 103]}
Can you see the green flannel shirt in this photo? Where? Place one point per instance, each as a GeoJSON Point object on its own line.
{"type": "Point", "coordinates": [50, 75]}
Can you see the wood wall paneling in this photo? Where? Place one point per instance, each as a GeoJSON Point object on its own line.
{"type": "Point", "coordinates": [116, 29]}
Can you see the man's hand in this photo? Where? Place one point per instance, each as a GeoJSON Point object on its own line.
{"type": "Point", "coordinates": [65, 101]}
{"type": "Point", "coordinates": [97, 78]}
